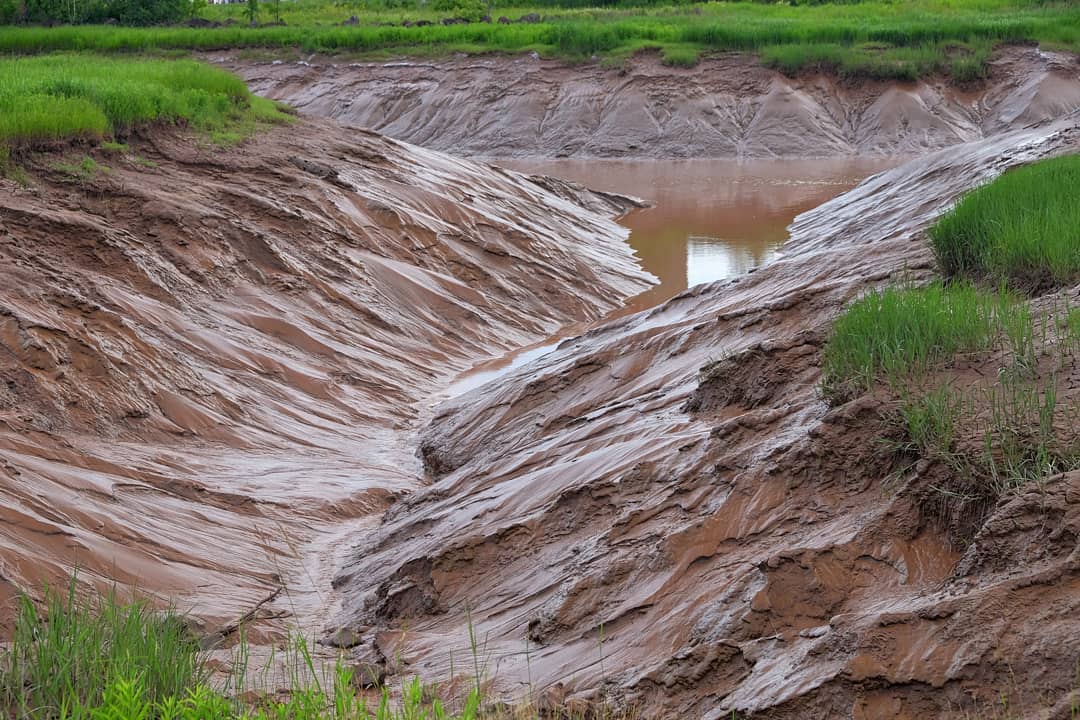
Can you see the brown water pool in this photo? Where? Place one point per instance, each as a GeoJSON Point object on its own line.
{"type": "Point", "coordinates": [710, 220]}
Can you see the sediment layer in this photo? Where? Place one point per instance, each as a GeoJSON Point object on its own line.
{"type": "Point", "coordinates": [727, 106]}
{"type": "Point", "coordinates": [613, 523]}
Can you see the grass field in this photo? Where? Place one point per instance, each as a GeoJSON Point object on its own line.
{"type": "Point", "coordinates": [874, 38]}
{"type": "Point", "coordinates": [61, 97]}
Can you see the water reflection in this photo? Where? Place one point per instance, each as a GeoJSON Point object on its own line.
{"type": "Point", "coordinates": [713, 258]}
{"type": "Point", "coordinates": [711, 219]}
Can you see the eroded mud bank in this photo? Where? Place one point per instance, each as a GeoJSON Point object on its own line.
{"type": "Point", "coordinates": [520, 106]}
{"type": "Point", "coordinates": [211, 361]}
{"type": "Point", "coordinates": [217, 365]}
{"type": "Point", "coordinates": [617, 524]}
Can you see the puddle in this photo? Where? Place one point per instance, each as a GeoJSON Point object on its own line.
{"type": "Point", "coordinates": [710, 220]}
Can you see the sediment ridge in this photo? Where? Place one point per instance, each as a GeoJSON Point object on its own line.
{"type": "Point", "coordinates": [726, 106]}
{"type": "Point", "coordinates": [614, 523]}
{"type": "Point", "coordinates": [211, 360]}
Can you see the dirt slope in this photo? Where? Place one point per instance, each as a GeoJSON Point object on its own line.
{"type": "Point", "coordinates": [211, 360]}
{"type": "Point", "coordinates": [729, 106]}
{"type": "Point", "coordinates": [616, 524]}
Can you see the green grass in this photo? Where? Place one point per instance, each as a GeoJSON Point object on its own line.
{"type": "Point", "coordinates": [680, 55]}
{"type": "Point", "coordinates": [1002, 429]}
{"type": "Point", "coordinates": [993, 438]}
{"type": "Point", "coordinates": [104, 658]}
{"type": "Point", "coordinates": [963, 61]}
{"type": "Point", "coordinates": [83, 171]}
{"type": "Point", "coordinates": [930, 420]}
{"type": "Point", "coordinates": [66, 96]}
{"type": "Point", "coordinates": [898, 332]}
{"type": "Point", "coordinates": [68, 652]}
{"type": "Point", "coordinates": [875, 38]}
{"type": "Point", "coordinates": [1022, 229]}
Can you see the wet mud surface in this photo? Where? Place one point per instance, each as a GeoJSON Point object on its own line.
{"type": "Point", "coordinates": [220, 382]}
{"type": "Point", "coordinates": [708, 220]}
{"type": "Point", "coordinates": [728, 106]}
{"type": "Point", "coordinates": [619, 524]}
{"type": "Point", "coordinates": [209, 368]}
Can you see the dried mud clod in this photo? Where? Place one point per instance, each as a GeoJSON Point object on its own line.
{"type": "Point", "coordinates": [757, 375]}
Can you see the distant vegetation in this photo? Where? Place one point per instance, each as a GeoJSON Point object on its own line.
{"type": "Point", "coordinates": [881, 39]}
{"type": "Point", "coordinates": [63, 97]}
{"type": "Point", "coordinates": [78, 12]}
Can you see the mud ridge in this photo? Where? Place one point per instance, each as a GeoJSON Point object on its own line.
{"type": "Point", "coordinates": [211, 360]}
{"type": "Point", "coordinates": [664, 512]}
{"type": "Point", "coordinates": [727, 106]}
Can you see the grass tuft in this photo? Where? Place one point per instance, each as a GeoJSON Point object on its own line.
{"type": "Point", "coordinates": [106, 659]}
{"type": "Point", "coordinates": [1022, 229]}
{"type": "Point", "coordinates": [69, 652]}
{"type": "Point", "coordinates": [681, 55]}
{"type": "Point", "coordinates": [900, 331]}
{"type": "Point", "coordinates": [64, 97]}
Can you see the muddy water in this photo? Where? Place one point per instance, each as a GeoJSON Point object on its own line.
{"type": "Point", "coordinates": [710, 220]}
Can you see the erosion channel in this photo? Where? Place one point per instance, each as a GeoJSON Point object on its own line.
{"type": "Point", "coordinates": [414, 371]}
{"type": "Point", "coordinates": [706, 220]}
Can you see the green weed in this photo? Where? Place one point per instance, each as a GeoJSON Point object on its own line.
{"type": "Point", "coordinates": [61, 97]}
{"type": "Point", "coordinates": [1023, 228]}
{"type": "Point", "coordinates": [1007, 430]}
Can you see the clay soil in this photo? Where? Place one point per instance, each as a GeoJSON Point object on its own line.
{"type": "Point", "coordinates": [727, 106]}
{"type": "Point", "coordinates": [217, 371]}
{"type": "Point", "coordinates": [212, 360]}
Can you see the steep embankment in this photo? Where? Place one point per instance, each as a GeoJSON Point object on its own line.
{"type": "Point", "coordinates": [212, 361]}
{"type": "Point", "coordinates": [616, 523]}
{"type": "Point", "coordinates": [728, 106]}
